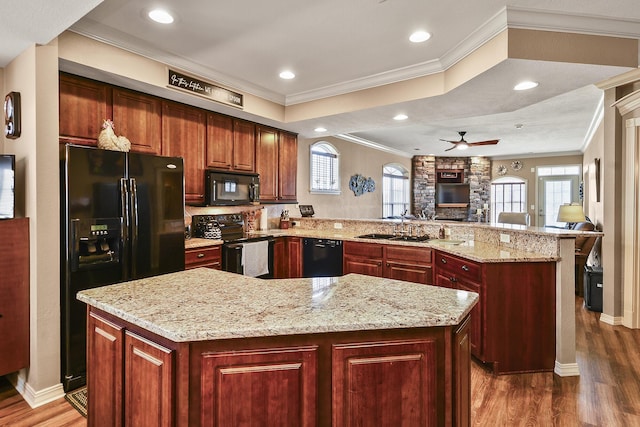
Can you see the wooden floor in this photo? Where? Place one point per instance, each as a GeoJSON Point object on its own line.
{"type": "Point", "coordinates": [607, 392]}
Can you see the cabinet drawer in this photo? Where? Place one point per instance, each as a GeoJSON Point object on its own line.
{"type": "Point", "coordinates": [406, 254]}
{"type": "Point", "coordinates": [459, 267]}
{"type": "Point", "coordinates": [198, 257]}
{"type": "Point", "coordinates": [369, 250]}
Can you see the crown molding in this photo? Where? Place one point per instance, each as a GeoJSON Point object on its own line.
{"type": "Point", "coordinates": [371, 144]}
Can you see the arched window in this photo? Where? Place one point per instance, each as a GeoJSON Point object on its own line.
{"type": "Point", "coordinates": [508, 194]}
{"type": "Point", "coordinates": [395, 190]}
{"type": "Point", "coordinates": [324, 167]}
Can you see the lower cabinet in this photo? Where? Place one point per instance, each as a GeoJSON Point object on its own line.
{"type": "Point", "coordinates": [513, 324]}
{"type": "Point", "coordinates": [130, 380]}
{"type": "Point", "coordinates": [209, 256]}
{"type": "Point", "coordinates": [411, 377]}
{"type": "Point", "coordinates": [409, 263]}
{"type": "Point", "coordinates": [287, 256]}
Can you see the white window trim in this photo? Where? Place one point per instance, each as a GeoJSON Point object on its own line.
{"type": "Point", "coordinates": [337, 153]}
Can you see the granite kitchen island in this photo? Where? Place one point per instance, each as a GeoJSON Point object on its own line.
{"type": "Point", "coordinates": [206, 347]}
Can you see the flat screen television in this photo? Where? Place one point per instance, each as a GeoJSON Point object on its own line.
{"type": "Point", "coordinates": [7, 183]}
{"type": "Point", "coordinates": [452, 194]}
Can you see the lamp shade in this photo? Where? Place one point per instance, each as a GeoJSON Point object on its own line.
{"type": "Point", "coordinates": [571, 213]}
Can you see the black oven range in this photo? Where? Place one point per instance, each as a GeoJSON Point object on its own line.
{"type": "Point", "coordinates": [242, 252]}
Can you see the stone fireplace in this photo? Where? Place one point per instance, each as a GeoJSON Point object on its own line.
{"type": "Point", "coordinates": [477, 173]}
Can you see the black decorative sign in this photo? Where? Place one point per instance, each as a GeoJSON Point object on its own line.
{"type": "Point", "coordinates": [208, 90]}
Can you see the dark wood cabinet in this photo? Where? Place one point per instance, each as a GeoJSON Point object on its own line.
{"type": "Point", "coordinates": [402, 375]}
{"type": "Point", "coordinates": [287, 255]}
{"type": "Point", "coordinates": [230, 143]}
{"type": "Point", "coordinates": [149, 383]}
{"type": "Point", "coordinates": [209, 256]}
{"type": "Point", "coordinates": [513, 325]}
{"type": "Point", "coordinates": [138, 117]}
{"type": "Point", "coordinates": [83, 106]}
{"type": "Point", "coordinates": [183, 135]}
{"type": "Point", "coordinates": [287, 167]}
{"type": "Point", "coordinates": [14, 295]}
{"type": "Point", "coordinates": [462, 375]}
{"type": "Point", "coordinates": [267, 162]}
{"type": "Point", "coordinates": [409, 263]}
{"type": "Point", "coordinates": [260, 387]}
{"type": "Point", "coordinates": [105, 346]}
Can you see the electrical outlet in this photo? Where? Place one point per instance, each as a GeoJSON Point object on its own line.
{"type": "Point", "coordinates": [505, 238]}
{"type": "Point", "coordinates": [337, 225]}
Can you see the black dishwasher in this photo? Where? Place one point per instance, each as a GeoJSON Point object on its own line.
{"type": "Point", "coordinates": [321, 257]}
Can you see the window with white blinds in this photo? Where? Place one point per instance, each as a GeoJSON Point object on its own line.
{"type": "Point", "coordinates": [508, 194]}
{"type": "Point", "coordinates": [324, 168]}
{"type": "Point", "coordinates": [395, 190]}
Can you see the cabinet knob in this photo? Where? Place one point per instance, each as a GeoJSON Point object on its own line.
{"type": "Point", "coordinates": [453, 279]}
{"type": "Point", "coordinates": [201, 255]}
{"type": "Point", "coordinates": [444, 261]}
{"type": "Point", "coordinates": [465, 268]}
{"type": "Point", "coordinates": [0, 315]}
{"type": "Point", "coordinates": [379, 264]}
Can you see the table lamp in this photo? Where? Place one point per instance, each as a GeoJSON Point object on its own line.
{"type": "Point", "coordinates": [571, 214]}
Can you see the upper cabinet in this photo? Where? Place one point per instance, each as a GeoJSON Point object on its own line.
{"type": "Point", "coordinates": [244, 146]}
{"type": "Point", "coordinates": [183, 135]}
{"type": "Point", "coordinates": [219, 141]}
{"type": "Point", "coordinates": [84, 105]}
{"type": "Point", "coordinates": [138, 117]}
{"type": "Point", "coordinates": [276, 162]}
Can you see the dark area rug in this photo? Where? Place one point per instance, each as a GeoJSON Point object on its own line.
{"type": "Point", "coordinates": [78, 399]}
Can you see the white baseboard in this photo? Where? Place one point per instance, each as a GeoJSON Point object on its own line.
{"type": "Point", "coordinates": [33, 397]}
{"type": "Point", "coordinates": [566, 369]}
{"type": "Point", "coordinates": [611, 320]}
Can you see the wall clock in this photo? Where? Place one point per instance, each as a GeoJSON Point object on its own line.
{"type": "Point", "coordinates": [502, 169]}
{"type": "Point", "coordinates": [516, 165]}
{"type": "Point", "coordinates": [12, 115]}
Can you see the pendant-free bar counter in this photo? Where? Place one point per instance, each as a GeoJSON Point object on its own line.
{"type": "Point", "coordinates": [206, 347]}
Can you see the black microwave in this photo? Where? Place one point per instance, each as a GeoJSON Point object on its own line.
{"type": "Point", "coordinates": [231, 188]}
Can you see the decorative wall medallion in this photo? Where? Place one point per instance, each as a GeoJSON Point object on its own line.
{"type": "Point", "coordinates": [360, 185]}
{"type": "Point", "coordinates": [12, 115]}
{"type": "Point", "coordinates": [516, 165]}
{"type": "Point", "coordinates": [502, 170]}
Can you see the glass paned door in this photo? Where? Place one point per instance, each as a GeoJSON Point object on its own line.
{"type": "Point", "coordinates": [553, 192]}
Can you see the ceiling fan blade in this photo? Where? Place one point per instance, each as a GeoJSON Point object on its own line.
{"type": "Point", "coordinates": [489, 142]}
{"type": "Point", "coordinates": [446, 140]}
{"type": "Point", "coordinates": [449, 149]}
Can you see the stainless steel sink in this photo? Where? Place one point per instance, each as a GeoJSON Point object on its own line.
{"type": "Point", "coordinates": [376, 236]}
{"type": "Point", "coordinates": [446, 241]}
{"type": "Point", "coordinates": [410, 238]}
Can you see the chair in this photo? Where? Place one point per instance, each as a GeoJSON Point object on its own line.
{"type": "Point", "coordinates": [521, 218]}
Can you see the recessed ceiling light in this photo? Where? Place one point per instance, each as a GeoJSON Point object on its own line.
{"type": "Point", "coordinates": [401, 117]}
{"type": "Point", "coordinates": [287, 75]}
{"type": "Point", "coordinates": [320, 129]}
{"type": "Point", "coordinates": [161, 16]}
{"type": "Point", "coordinates": [518, 125]}
{"type": "Point", "coordinates": [525, 85]}
{"type": "Point", "coordinates": [419, 36]}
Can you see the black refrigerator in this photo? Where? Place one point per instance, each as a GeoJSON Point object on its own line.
{"type": "Point", "coordinates": [122, 218]}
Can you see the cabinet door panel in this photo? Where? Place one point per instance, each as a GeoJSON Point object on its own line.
{"type": "Point", "coordinates": [244, 146]}
{"type": "Point", "coordinates": [219, 141]}
{"type": "Point", "coordinates": [267, 162]}
{"type": "Point", "coordinates": [14, 295]}
{"type": "Point", "coordinates": [388, 383]}
{"type": "Point", "coordinates": [149, 384]}
{"type": "Point", "coordinates": [409, 272]}
{"type": "Point", "coordinates": [84, 105]}
{"type": "Point", "coordinates": [370, 267]}
{"type": "Point", "coordinates": [287, 167]}
{"type": "Point", "coordinates": [183, 135]}
{"type": "Point", "coordinates": [366, 250]}
{"type": "Point", "coordinates": [104, 372]}
{"type": "Point", "coordinates": [294, 255]}
{"type": "Point", "coordinates": [138, 117]}
{"type": "Point", "coordinates": [242, 387]}
{"type": "Point", "coordinates": [210, 257]}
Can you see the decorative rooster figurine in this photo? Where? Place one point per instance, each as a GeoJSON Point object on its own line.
{"type": "Point", "coordinates": [109, 141]}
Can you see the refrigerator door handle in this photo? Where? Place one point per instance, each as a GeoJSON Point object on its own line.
{"type": "Point", "coordinates": [134, 226]}
{"type": "Point", "coordinates": [124, 234]}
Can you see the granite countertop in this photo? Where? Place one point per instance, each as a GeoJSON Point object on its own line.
{"type": "Point", "coordinates": [205, 304]}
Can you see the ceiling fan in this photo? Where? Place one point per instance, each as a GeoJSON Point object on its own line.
{"type": "Point", "coordinates": [463, 145]}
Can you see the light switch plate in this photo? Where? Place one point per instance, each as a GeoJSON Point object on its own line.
{"type": "Point", "coordinates": [505, 238]}
{"type": "Point", "coordinates": [337, 225]}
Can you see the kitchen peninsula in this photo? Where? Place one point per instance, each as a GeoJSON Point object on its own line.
{"type": "Point", "coordinates": [200, 346]}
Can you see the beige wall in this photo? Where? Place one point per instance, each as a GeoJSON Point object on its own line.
{"type": "Point", "coordinates": [354, 159]}
{"type": "Point", "coordinates": [35, 75]}
{"type": "Point", "coordinates": [528, 173]}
